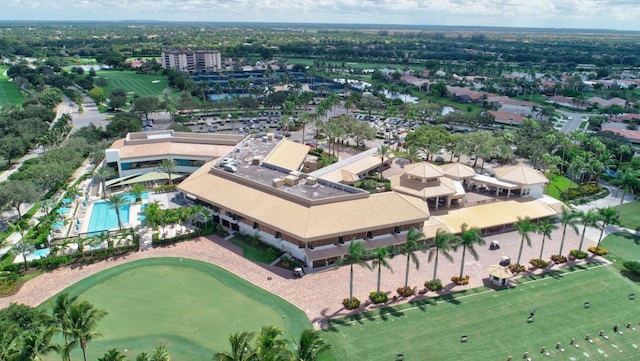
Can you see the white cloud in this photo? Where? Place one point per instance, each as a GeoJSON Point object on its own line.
{"type": "Point", "coordinates": [612, 14]}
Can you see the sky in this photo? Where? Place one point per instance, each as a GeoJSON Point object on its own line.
{"type": "Point", "coordinates": [566, 14]}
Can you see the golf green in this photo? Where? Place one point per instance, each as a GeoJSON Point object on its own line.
{"type": "Point", "coordinates": [190, 306]}
{"type": "Point", "coordinates": [495, 323]}
{"type": "Point", "coordinates": [9, 92]}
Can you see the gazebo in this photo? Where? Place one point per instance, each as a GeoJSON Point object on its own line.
{"type": "Point", "coordinates": [499, 275]}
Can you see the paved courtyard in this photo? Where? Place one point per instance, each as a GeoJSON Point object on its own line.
{"type": "Point", "coordinates": [319, 294]}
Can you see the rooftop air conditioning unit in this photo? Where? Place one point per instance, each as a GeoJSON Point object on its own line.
{"type": "Point", "coordinates": [278, 182]}
{"type": "Point", "coordinates": [311, 181]}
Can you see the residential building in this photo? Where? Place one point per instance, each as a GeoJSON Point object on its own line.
{"type": "Point", "coordinates": [192, 61]}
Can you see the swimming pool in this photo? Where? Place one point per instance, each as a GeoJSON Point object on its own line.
{"type": "Point", "coordinates": [103, 218]}
{"type": "Point", "coordinates": [38, 254]}
{"type": "Point", "coordinates": [62, 210]}
{"type": "Point", "coordinates": [58, 224]}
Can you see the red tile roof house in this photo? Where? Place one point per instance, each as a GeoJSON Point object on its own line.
{"type": "Point", "coordinates": [632, 135]}
{"type": "Point", "coordinates": [464, 95]}
{"type": "Point", "coordinates": [626, 118]}
{"type": "Point", "coordinates": [507, 118]}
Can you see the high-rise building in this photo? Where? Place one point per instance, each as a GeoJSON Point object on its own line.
{"type": "Point", "coordinates": [192, 61]}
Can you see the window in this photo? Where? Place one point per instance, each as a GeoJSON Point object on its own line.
{"type": "Point", "coordinates": [340, 239]}
{"type": "Point", "coordinates": [256, 225]}
{"type": "Point", "coordinates": [369, 234]}
{"type": "Point", "coordinates": [396, 229]}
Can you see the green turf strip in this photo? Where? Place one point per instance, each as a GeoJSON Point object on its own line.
{"type": "Point", "coordinates": [496, 323]}
{"type": "Point", "coordinates": [190, 306]}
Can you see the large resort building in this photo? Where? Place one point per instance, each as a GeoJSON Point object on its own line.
{"type": "Point", "coordinates": [192, 61]}
{"type": "Point", "coordinates": [268, 186]}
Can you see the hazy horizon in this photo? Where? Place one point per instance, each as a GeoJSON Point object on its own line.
{"type": "Point", "coordinates": [555, 14]}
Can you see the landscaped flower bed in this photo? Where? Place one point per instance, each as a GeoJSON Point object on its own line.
{"type": "Point", "coordinates": [516, 268]}
{"type": "Point", "coordinates": [538, 263]}
{"type": "Point", "coordinates": [598, 251]}
{"type": "Point", "coordinates": [460, 281]}
{"type": "Point", "coordinates": [351, 305]}
{"type": "Point", "coordinates": [558, 259]}
{"type": "Point", "coordinates": [378, 297]}
{"type": "Point", "coordinates": [405, 291]}
{"type": "Point", "coordinates": [435, 285]}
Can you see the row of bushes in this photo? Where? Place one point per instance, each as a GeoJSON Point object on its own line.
{"type": "Point", "coordinates": [205, 231]}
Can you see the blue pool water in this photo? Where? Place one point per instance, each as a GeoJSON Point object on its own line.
{"type": "Point", "coordinates": [103, 218]}
{"type": "Point", "coordinates": [67, 200]}
{"type": "Point", "coordinates": [38, 254]}
{"type": "Point", "coordinates": [62, 210]}
{"type": "Point", "coordinates": [58, 224]}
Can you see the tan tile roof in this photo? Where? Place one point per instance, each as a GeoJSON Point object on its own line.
{"type": "Point", "coordinates": [520, 174]}
{"type": "Point", "coordinates": [496, 214]}
{"type": "Point", "coordinates": [305, 222]}
{"type": "Point", "coordinates": [361, 166]}
{"type": "Point", "coordinates": [458, 170]}
{"type": "Point", "coordinates": [417, 188]}
{"type": "Point", "coordinates": [170, 148]}
{"type": "Point", "coordinates": [288, 155]}
{"type": "Point", "coordinates": [423, 170]}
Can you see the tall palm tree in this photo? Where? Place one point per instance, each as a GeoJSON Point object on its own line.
{"type": "Point", "coordinates": [589, 219]}
{"type": "Point", "coordinates": [569, 218]}
{"type": "Point", "coordinates": [524, 226]}
{"type": "Point", "coordinates": [409, 249]}
{"type": "Point", "coordinates": [115, 202]}
{"type": "Point", "coordinates": [627, 180]}
{"type": "Point", "coordinates": [9, 341]}
{"type": "Point", "coordinates": [24, 247]}
{"type": "Point", "coordinates": [383, 152]}
{"type": "Point", "coordinates": [545, 228]}
{"type": "Point", "coordinates": [380, 256]}
{"type": "Point", "coordinates": [606, 216]}
{"type": "Point", "coordinates": [60, 311]}
{"type": "Point", "coordinates": [356, 254]}
{"type": "Point", "coordinates": [310, 346]}
{"type": "Point", "coordinates": [241, 349]}
{"type": "Point", "coordinates": [442, 244]}
{"type": "Point", "coordinates": [468, 239]}
{"type": "Point", "coordinates": [102, 174]}
{"type": "Point", "coordinates": [270, 346]}
{"type": "Point", "coordinates": [168, 166]}
{"type": "Point", "coordinates": [83, 320]}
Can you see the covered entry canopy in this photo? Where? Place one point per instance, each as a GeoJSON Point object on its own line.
{"type": "Point", "coordinates": [146, 177]}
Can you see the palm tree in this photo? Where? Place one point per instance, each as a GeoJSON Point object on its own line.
{"type": "Point", "coordinates": [356, 254]}
{"type": "Point", "coordinates": [24, 247]}
{"type": "Point", "coordinates": [410, 248]}
{"type": "Point", "coordinates": [9, 341]}
{"type": "Point", "coordinates": [380, 256]}
{"type": "Point", "coordinates": [468, 238]}
{"type": "Point", "coordinates": [606, 216]}
{"type": "Point", "coordinates": [310, 346]}
{"type": "Point", "coordinates": [102, 174]}
{"type": "Point", "coordinates": [569, 218]}
{"type": "Point", "coordinates": [442, 243]}
{"type": "Point", "coordinates": [60, 310]}
{"type": "Point", "coordinates": [115, 202]}
{"type": "Point", "coordinates": [241, 349]}
{"type": "Point", "coordinates": [627, 180]}
{"type": "Point", "coordinates": [168, 166]}
{"type": "Point", "coordinates": [36, 343]}
{"type": "Point", "coordinates": [524, 227]}
{"type": "Point", "coordinates": [83, 320]}
{"type": "Point", "coordinates": [270, 346]}
{"type": "Point", "coordinates": [383, 152]}
{"type": "Point", "coordinates": [112, 355]}
{"type": "Point", "coordinates": [587, 219]}
{"type": "Point", "coordinates": [545, 228]}
{"type": "Point", "coordinates": [161, 353]}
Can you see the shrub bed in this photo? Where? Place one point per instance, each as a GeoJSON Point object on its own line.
{"type": "Point", "coordinates": [378, 297]}
{"type": "Point", "coordinates": [578, 254]}
{"type": "Point", "coordinates": [558, 259]}
{"type": "Point", "coordinates": [460, 281]}
{"type": "Point", "coordinates": [351, 305]}
{"type": "Point", "coordinates": [516, 268]}
{"type": "Point", "coordinates": [434, 285]}
{"type": "Point", "coordinates": [598, 251]}
{"type": "Point", "coordinates": [633, 267]}
{"type": "Point", "coordinates": [538, 263]}
{"type": "Point", "coordinates": [405, 291]}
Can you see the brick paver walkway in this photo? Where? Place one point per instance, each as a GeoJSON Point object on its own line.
{"type": "Point", "coordinates": [319, 294]}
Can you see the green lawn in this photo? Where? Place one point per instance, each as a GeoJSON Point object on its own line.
{"type": "Point", "coordinates": [624, 246]}
{"type": "Point", "coordinates": [558, 185]}
{"type": "Point", "coordinates": [190, 306]}
{"type": "Point", "coordinates": [496, 323]}
{"type": "Point", "coordinates": [630, 215]}
{"type": "Point", "coordinates": [9, 93]}
{"type": "Point", "coordinates": [255, 254]}
{"type": "Point", "coordinates": [132, 83]}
